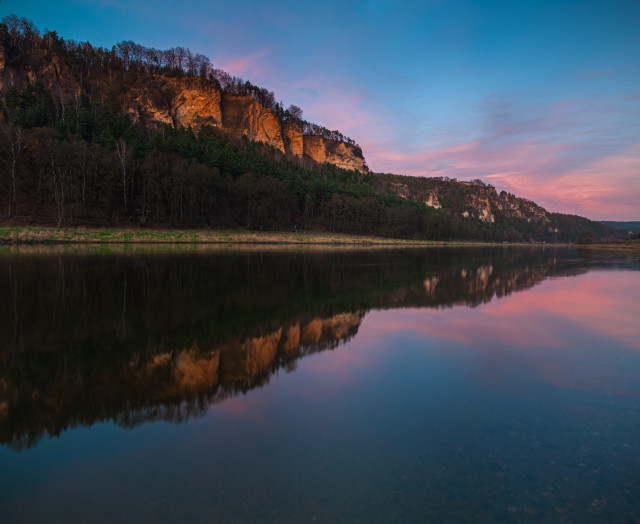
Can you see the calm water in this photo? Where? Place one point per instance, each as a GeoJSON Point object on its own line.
{"type": "Point", "coordinates": [443, 385]}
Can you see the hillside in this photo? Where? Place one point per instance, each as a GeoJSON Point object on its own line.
{"type": "Point", "coordinates": [133, 135]}
{"type": "Point", "coordinates": [632, 227]}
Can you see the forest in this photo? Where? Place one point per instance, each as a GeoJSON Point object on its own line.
{"type": "Point", "coordinates": [77, 161]}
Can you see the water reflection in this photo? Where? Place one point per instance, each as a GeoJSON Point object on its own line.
{"type": "Point", "coordinates": [557, 334]}
{"type": "Point", "coordinates": [135, 338]}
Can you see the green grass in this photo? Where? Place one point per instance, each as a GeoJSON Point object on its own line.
{"type": "Point", "coordinates": [43, 235]}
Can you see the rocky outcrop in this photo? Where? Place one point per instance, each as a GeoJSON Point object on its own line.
{"type": "Point", "coordinates": [470, 199]}
{"type": "Point", "coordinates": [513, 206]}
{"type": "Point", "coordinates": [293, 139]}
{"type": "Point", "coordinates": [186, 102]}
{"type": "Point", "coordinates": [243, 116]}
{"type": "Point", "coordinates": [341, 154]}
{"type": "Point", "coordinates": [432, 201]}
{"type": "Point", "coordinates": [481, 205]}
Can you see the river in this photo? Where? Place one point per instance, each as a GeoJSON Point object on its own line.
{"type": "Point", "coordinates": [291, 385]}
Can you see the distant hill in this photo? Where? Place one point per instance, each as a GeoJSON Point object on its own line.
{"type": "Point", "coordinates": [139, 136]}
{"type": "Point", "coordinates": [633, 225]}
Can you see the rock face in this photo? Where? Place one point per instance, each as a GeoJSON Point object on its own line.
{"type": "Point", "coordinates": [243, 116]}
{"type": "Point", "coordinates": [174, 101]}
{"type": "Point", "coordinates": [341, 154]}
{"type": "Point", "coordinates": [293, 139]}
{"type": "Point", "coordinates": [513, 206]}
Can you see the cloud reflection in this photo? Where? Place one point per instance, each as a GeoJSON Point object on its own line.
{"type": "Point", "coordinates": [559, 332]}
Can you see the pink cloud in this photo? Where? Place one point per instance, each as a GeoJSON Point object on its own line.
{"type": "Point", "coordinates": [253, 64]}
{"type": "Point", "coordinates": [606, 187]}
{"type": "Point", "coordinates": [572, 156]}
{"type": "Point", "coordinates": [561, 175]}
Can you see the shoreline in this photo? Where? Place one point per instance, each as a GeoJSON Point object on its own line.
{"type": "Point", "coordinates": [68, 236]}
{"type": "Point", "coordinates": [29, 235]}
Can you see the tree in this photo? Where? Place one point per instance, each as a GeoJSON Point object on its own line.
{"type": "Point", "coordinates": [61, 169]}
{"type": "Point", "coordinates": [12, 23]}
{"type": "Point", "coordinates": [586, 237]}
{"type": "Point", "coordinates": [11, 147]}
{"type": "Point", "coordinates": [294, 112]}
{"type": "Point", "coordinates": [125, 154]}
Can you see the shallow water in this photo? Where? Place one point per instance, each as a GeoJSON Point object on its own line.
{"type": "Point", "coordinates": [466, 385]}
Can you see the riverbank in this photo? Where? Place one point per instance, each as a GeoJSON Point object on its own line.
{"type": "Point", "coordinates": [81, 235]}
{"type": "Point", "coordinates": [630, 245]}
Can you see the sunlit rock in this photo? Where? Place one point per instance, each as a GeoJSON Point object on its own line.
{"type": "Point", "coordinates": [243, 116]}
{"type": "Point", "coordinates": [341, 154]}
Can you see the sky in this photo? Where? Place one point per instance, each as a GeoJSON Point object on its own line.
{"type": "Point", "coordinates": [538, 98]}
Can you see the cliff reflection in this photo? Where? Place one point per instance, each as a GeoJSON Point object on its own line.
{"type": "Point", "coordinates": [162, 337]}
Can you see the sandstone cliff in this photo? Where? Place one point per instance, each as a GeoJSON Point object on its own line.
{"type": "Point", "coordinates": [293, 139]}
{"type": "Point", "coordinates": [175, 101]}
{"type": "Point", "coordinates": [339, 153]}
{"type": "Point", "coordinates": [243, 116]}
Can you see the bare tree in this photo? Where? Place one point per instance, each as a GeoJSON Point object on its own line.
{"type": "Point", "coordinates": [62, 172]}
{"type": "Point", "coordinates": [30, 33]}
{"type": "Point", "coordinates": [180, 54]}
{"type": "Point", "coordinates": [11, 147]}
{"type": "Point", "coordinates": [123, 50]}
{"type": "Point", "coordinates": [12, 22]}
{"type": "Point", "coordinates": [168, 58]}
{"type": "Point", "coordinates": [203, 65]}
{"type": "Point", "coordinates": [295, 112]}
{"type": "Point", "coordinates": [125, 154]}
{"type": "Point", "coordinates": [81, 166]}
{"type": "Point", "coordinates": [191, 62]}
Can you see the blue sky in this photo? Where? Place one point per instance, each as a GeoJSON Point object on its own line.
{"type": "Point", "coordinates": [541, 99]}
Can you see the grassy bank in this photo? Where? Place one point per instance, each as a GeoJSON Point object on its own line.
{"type": "Point", "coordinates": [81, 235]}
{"type": "Point", "coordinates": [38, 235]}
{"type": "Point", "coordinates": [629, 245]}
